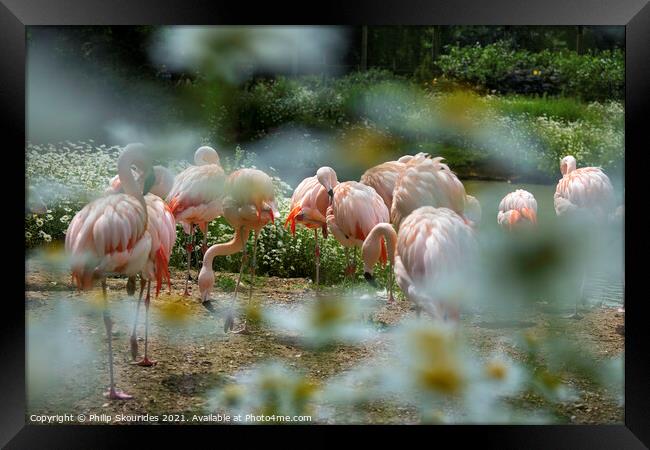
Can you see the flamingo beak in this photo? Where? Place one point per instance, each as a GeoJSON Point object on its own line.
{"type": "Point", "coordinates": [370, 279]}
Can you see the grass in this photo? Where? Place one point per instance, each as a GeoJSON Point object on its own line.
{"type": "Point", "coordinates": [562, 108]}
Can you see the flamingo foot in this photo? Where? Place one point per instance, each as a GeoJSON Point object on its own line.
{"type": "Point", "coordinates": [391, 299]}
{"type": "Point", "coordinates": [134, 347]}
{"type": "Point", "coordinates": [228, 323]}
{"type": "Point", "coordinates": [116, 394]}
{"type": "Point", "coordinates": [146, 362]}
{"type": "Point", "coordinates": [242, 330]}
{"type": "Point", "coordinates": [187, 292]}
{"type": "Point", "coordinates": [574, 316]}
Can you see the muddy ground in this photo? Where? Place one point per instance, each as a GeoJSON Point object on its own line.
{"type": "Point", "coordinates": [193, 362]}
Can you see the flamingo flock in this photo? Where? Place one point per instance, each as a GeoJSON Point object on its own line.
{"type": "Point", "coordinates": [412, 214]}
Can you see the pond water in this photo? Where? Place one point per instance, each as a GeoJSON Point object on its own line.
{"type": "Point", "coordinates": [490, 193]}
{"type": "Point", "coordinates": [604, 285]}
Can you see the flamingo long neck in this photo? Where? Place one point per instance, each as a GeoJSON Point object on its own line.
{"type": "Point", "coordinates": [372, 245]}
{"type": "Point", "coordinates": [130, 186]}
{"type": "Point", "coordinates": [227, 248]}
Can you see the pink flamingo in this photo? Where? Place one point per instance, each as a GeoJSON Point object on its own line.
{"type": "Point", "coordinates": [309, 204]}
{"type": "Point", "coordinates": [586, 192]}
{"type": "Point", "coordinates": [371, 254]}
{"type": "Point", "coordinates": [383, 177]}
{"type": "Point", "coordinates": [111, 234]}
{"type": "Point", "coordinates": [428, 183]}
{"type": "Point", "coordinates": [354, 212]}
{"type": "Point", "coordinates": [162, 228]}
{"type": "Point", "coordinates": [248, 204]}
{"type": "Point", "coordinates": [515, 207]}
{"type": "Point", "coordinates": [195, 197]}
{"type": "Point", "coordinates": [473, 211]}
{"type": "Point", "coordinates": [432, 246]}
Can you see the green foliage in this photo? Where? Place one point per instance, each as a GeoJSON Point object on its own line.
{"type": "Point", "coordinates": [501, 68]}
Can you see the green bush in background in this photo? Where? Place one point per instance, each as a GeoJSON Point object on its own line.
{"type": "Point", "coordinates": [500, 68]}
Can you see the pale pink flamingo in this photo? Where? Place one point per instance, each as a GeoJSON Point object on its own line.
{"type": "Point", "coordinates": [586, 192]}
{"type": "Point", "coordinates": [162, 228]}
{"type": "Point", "coordinates": [383, 177]}
{"type": "Point", "coordinates": [309, 204]}
{"type": "Point", "coordinates": [195, 197]}
{"type": "Point", "coordinates": [516, 208]}
{"type": "Point", "coordinates": [428, 183]}
{"type": "Point", "coordinates": [248, 204]}
{"type": "Point", "coordinates": [111, 235]}
{"type": "Point", "coordinates": [354, 212]}
{"type": "Point", "coordinates": [432, 246]}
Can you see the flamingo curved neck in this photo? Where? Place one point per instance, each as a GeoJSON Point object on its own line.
{"type": "Point", "coordinates": [132, 155]}
{"type": "Point", "coordinates": [371, 246]}
{"type": "Point", "coordinates": [235, 245]}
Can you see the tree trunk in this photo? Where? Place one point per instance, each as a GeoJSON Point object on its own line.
{"type": "Point", "coordinates": [579, 39]}
{"type": "Point", "coordinates": [364, 48]}
{"type": "Point", "coordinates": [436, 41]}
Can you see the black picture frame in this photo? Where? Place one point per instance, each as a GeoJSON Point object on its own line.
{"type": "Point", "coordinates": [15, 15]}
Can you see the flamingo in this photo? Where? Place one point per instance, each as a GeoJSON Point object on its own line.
{"type": "Point", "coordinates": [382, 178]}
{"type": "Point", "coordinates": [248, 205]}
{"type": "Point", "coordinates": [195, 197]}
{"type": "Point", "coordinates": [111, 234]}
{"type": "Point", "coordinates": [355, 210]}
{"type": "Point", "coordinates": [162, 228]}
{"type": "Point", "coordinates": [586, 192]}
{"type": "Point", "coordinates": [428, 183]}
{"type": "Point", "coordinates": [515, 207]}
{"type": "Point", "coordinates": [431, 246]}
{"type": "Point", "coordinates": [309, 204]}
{"type": "Point", "coordinates": [371, 254]}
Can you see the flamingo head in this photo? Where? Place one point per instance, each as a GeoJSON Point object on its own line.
{"type": "Point", "coordinates": [567, 165]}
{"type": "Point", "coordinates": [149, 180]}
{"type": "Point", "coordinates": [163, 181]}
{"type": "Point", "coordinates": [327, 177]}
{"type": "Point", "coordinates": [206, 155]}
{"type": "Point", "coordinates": [206, 282]}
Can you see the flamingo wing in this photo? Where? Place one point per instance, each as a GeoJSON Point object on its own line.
{"type": "Point", "coordinates": [428, 183]}
{"type": "Point", "coordinates": [382, 178]}
{"type": "Point", "coordinates": [586, 188]}
{"type": "Point", "coordinates": [108, 235]}
{"type": "Point", "coordinates": [196, 194]}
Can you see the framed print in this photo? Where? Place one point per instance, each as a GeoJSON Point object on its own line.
{"type": "Point", "coordinates": [397, 214]}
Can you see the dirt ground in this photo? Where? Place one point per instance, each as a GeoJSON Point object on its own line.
{"type": "Point", "coordinates": [191, 363]}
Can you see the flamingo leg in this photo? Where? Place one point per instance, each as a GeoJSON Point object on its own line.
{"type": "Point", "coordinates": [576, 315]}
{"type": "Point", "coordinates": [113, 394]}
{"type": "Point", "coordinates": [244, 329]}
{"type": "Point", "coordinates": [204, 246]}
{"type": "Point", "coordinates": [317, 256]}
{"type": "Point", "coordinates": [134, 339]}
{"type": "Point", "coordinates": [146, 362]}
{"type": "Point", "coordinates": [229, 322]}
{"type": "Point", "coordinates": [189, 260]}
{"type": "Point", "coordinates": [347, 262]}
{"type": "Point", "coordinates": [390, 283]}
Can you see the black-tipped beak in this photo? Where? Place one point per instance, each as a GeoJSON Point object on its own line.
{"type": "Point", "coordinates": [370, 279]}
{"type": "Point", "coordinates": [149, 182]}
{"type": "Point", "coordinates": [331, 193]}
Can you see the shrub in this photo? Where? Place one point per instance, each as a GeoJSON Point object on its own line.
{"type": "Point", "coordinates": [497, 67]}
